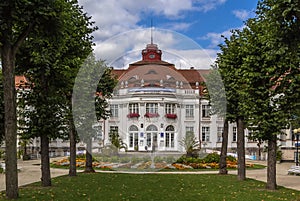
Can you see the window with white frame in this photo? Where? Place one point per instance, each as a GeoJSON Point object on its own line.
{"type": "Point", "coordinates": [170, 137]}
{"type": "Point", "coordinates": [189, 129]}
{"type": "Point", "coordinates": [133, 108]}
{"type": "Point", "coordinates": [133, 137]}
{"type": "Point", "coordinates": [219, 133]}
{"type": "Point", "coordinates": [189, 111]}
{"type": "Point", "coordinates": [205, 135]}
{"type": "Point", "coordinates": [234, 134]}
{"type": "Point", "coordinates": [152, 108]}
{"type": "Point", "coordinates": [205, 111]}
{"type": "Point", "coordinates": [170, 108]}
{"type": "Point", "coordinates": [113, 130]}
{"type": "Point", "coordinates": [250, 136]}
{"type": "Point", "coordinates": [114, 109]}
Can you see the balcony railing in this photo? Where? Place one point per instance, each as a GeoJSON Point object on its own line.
{"type": "Point", "coordinates": [133, 115]}
{"type": "Point", "coordinates": [171, 116]}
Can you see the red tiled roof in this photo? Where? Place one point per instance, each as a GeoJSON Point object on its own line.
{"type": "Point", "coordinates": [21, 82]}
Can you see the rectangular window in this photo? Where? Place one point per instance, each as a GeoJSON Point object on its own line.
{"type": "Point", "coordinates": [152, 108]}
{"type": "Point", "coordinates": [205, 111]}
{"type": "Point", "coordinates": [205, 134]}
{"type": "Point", "coordinates": [130, 139]}
{"type": "Point", "coordinates": [170, 141]}
{"type": "Point", "coordinates": [170, 108]}
{"type": "Point", "coordinates": [189, 129]}
{"type": "Point", "coordinates": [167, 140]}
{"type": "Point", "coordinates": [234, 134]}
{"type": "Point", "coordinates": [133, 108]}
{"type": "Point", "coordinates": [219, 134]}
{"type": "Point", "coordinates": [113, 130]}
{"type": "Point", "coordinates": [189, 111]}
{"type": "Point", "coordinates": [250, 136]}
{"type": "Point", "coordinates": [114, 109]}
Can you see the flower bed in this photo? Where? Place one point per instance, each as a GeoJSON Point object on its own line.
{"type": "Point", "coordinates": [182, 163]}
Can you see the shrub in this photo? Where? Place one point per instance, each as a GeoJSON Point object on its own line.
{"type": "Point", "coordinates": [231, 158]}
{"type": "Point", "coordinates": [212, 158]}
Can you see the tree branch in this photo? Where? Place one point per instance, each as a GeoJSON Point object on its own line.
{"type": "Point", "coordinates": [22, 37]}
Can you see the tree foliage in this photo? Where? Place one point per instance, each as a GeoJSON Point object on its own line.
{"type": "Point", "coordinates": [93, 86]}
{"type": "Point", "coordinates": [17, 20]}
{"type": "Point", "coordinates": [51, 61]}
{"type": "Point", "coordinates": [267, 54]}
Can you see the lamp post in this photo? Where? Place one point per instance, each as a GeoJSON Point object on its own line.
{"type": "Point", "coordinates": [297, 132]}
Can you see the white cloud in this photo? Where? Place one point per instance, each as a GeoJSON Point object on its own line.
{"type": "Point", "coordinates": [242, 14]}
{"type": "Point", "coordinates": [126, 48]}
{"type": "Point", "coordinates": [217, 39]}
{"type": "Point", "coordinates": [182, 26]}
{"type": "Point", "coordinates": [205, 5]}
{"type": "Point", "coordinates": [115, 17]}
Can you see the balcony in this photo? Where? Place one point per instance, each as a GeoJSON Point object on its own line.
{"type": "Point", "coordinates": [133, 115]}
{"type": "Point", "coordinates": [171, 116]}
{"type": "Point", "coordinates": [151, 115]}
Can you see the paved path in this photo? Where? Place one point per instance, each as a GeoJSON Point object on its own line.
{"type": "Point", "coordinates": [31, 172]}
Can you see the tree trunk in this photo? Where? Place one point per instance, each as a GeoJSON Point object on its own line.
{"type": "Point", "coordinates": [223, 164]}
{"type": "Point", "coordinates": [72, 133]}
{"type": "Point", "coordinates": [45, 161]}
{"type": "Point", "coordinates": [88, 157]}
{"type": "Point", "coordinates": [259, 150]}
{"type": "Point", "coordinates": [241, 149]}
{"type": "Point", "coordinates": [8, 70]}
{"type": "Point", "coordinates": [271, 170]}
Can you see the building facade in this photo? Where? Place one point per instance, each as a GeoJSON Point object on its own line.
{"type": "Point", "coordinates": [155, 104]}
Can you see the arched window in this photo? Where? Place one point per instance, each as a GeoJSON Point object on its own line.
{"type": "Point", "coordinates": [133, 128]}
{"type": "Point", "coordinates": [151, 137]}
{"type": "Point", "coordinates": [170, 128]}
{"type": "Point", "coordinates": [151, 128]}
{"type": "Point", "coordinates": [170, 137]}
{"type": "Point", "coordinates": [133, 137]}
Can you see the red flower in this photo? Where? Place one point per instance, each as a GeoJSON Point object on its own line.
{"type": "Point", "coordinates": [151, 115]}
{"type": "Point", "coordinates": [171, 116]}
{"type": "Point", "coordinates": [132, 115]}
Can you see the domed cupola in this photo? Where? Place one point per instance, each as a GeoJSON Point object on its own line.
{"type": "Point", "coordinates": [151, 53]}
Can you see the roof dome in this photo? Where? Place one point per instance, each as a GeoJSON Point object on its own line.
{"type": "Point", "coordinates": [153, 75]}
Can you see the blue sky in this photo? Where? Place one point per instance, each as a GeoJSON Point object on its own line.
{"type": "Point", "coordinates": [124, 28]}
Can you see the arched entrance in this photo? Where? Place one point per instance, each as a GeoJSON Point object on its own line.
{"type": "Point", "coordinates": [151, 138]}
{"type": "Point", "coordinates": [133, 141]}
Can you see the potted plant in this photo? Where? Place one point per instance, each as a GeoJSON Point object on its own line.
{"type": "Point", "coordinates": [133, 115]}
{"type": "Point", "coordinates": [151, 115]}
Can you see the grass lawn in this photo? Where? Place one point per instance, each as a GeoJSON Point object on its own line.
{"type": "Point", "coordinates": [158, 187]}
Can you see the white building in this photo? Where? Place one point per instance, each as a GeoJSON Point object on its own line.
{"type": "Point", "coordinates": [155, 104]}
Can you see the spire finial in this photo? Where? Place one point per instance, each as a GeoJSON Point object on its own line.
{"type": "Point", "coordinates": [151, 31]}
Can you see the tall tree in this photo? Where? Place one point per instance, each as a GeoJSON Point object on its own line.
{"type": "Point", "coordinates": [1, 109]}
{"type": "Point", "coordinates": [94, 85]}
{"type": "Point", "coordinates": [228, 65]}
{"type": "Point", "coordinates": [217, 98]}
{"type": "Point", "coordinates": [51, 60]}
{"type": "Point", "coordinates": [271, 72]}
{"type": "Point", "coordinates": [17, 20]}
